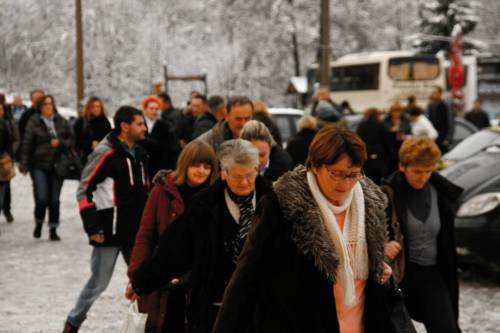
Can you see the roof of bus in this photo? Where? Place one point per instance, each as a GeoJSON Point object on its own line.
{"type": "Point", "coordinates": [372, 56]}
{"type": "Point", "coordinates": [356, 58]}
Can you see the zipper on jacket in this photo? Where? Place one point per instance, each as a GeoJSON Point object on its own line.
{"type": "Point", "coordinates": [130, 172]}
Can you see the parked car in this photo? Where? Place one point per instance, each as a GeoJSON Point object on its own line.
{"type": "Point", "coordinates": [286, 119]}
{"type": "Point", "coordinates": [473, 144]}
{"type": "Point", "coordinates": [477, 225]}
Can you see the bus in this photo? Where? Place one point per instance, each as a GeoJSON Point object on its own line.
{"type": "Point", "coordinates": [378, 79]}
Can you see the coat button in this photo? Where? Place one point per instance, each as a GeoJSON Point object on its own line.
{"type": "Point", "coordinates": [173, 214]}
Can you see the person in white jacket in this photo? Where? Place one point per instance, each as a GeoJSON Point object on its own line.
{"type": "Point", "coordinates": [420, 125]}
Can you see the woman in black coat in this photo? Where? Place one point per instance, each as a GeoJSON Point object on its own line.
{"type": "Point", "coordinates": [207, 239]}
{"type": "Point", "coordinates": [90, 128]}
{"type": "Point", "coordinates": [422, 244]}
{"type": "Point", "coordinates": [296, 273]}
{"type": "Point", "coordinates": [298, 145]}
{"type": "Point", "coordinates": [47, 134]}
{"type": "Point", "coordinates": [375, 136]}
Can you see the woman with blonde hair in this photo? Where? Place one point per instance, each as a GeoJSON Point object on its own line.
{"type": "Point", "coordinates": [91, 127]}
{"type": "Point", "coordinates": [422, 242]}
{"type": "Point", "coordinates": [196, 170]}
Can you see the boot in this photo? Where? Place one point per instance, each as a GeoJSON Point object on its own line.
{"type": "Point", "coordinates": [53, 236]}
{"type": "Point", "coordinates": [8, 216]}
{"type": "Point", "coordinates": [38, 229]}
{"type": "Point", "coordinates": [69, 328]}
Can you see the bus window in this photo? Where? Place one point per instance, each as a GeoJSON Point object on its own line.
{"type": "Point", "coordinates": [358, 77]}
{"type": "Point", "coordinates": [414, 68]}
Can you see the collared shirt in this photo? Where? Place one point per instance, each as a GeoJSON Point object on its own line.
{"type": "Point", "coordinates": [150, 123]}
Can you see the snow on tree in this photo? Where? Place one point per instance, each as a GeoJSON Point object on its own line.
{"type": "Point", "coordinates": [438, 17]}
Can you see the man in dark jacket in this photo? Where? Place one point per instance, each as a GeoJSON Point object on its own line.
{"type": "Point", "coordinates": [114, 181]}
{"type": "Point", "coordinates": [169, 112]}
{"type": "Point", "coordinates": [197, 105]}
{"type": "Point", "coordinates": [440, 117]}
{"type": "Point", "coordinates": [208, 238]}
{"type": "Point", "coordinates": [215, 113]}
{"type": "Point", "coordinates": [477, 116]}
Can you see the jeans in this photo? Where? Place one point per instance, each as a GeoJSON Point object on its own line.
{"type": "Point", "coordinates": [47, 190]}
{"type": "Point", "coordinates": [3, 191]}
{"type": "Point", "coordinates": [102, 264]}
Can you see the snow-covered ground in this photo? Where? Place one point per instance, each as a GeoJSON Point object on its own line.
{"type": "Point", "coordinates": [40, 280]}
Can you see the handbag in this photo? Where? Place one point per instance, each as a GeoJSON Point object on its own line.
{"type": "Point", "coordinates": [134, 322]}
{"type": "Point", "coordinates": [68, 166]}
{"type": "Point", "coordinates": [399, 317]}
{"type": "Point", "coordinates": [7, 171]}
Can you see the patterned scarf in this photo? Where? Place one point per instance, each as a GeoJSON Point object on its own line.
{"type": "Point", "coordinates": [245, 205]}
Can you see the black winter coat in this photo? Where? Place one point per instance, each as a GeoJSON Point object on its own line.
{"type": "Point", "coordinates": [87, 130]}
{"type": "Point", "coordinates": [448, 194]}
{"type": "Point", "coordinates": [203, 124]}
{"type": "Point", "coordinates": [162, 146]}
{"type": "Point", "coordinates": [440, 119]}
{"type": "Point", "coordinates": [376, 137]}
{"type": "Point", "coordinates": [279, 163]}
{"type": "Point", "coordinates": [193, 243]}
{"type": "Point", "coordinates": [36, 151]}
{"type": "Point", "coordinates": [285, 275]}
{"type": "Point", "coordinates": [298, 146]}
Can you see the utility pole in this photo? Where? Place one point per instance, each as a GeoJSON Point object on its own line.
{"type": "Point", "coordinates": [324, 63]}
{"type": "Point", "coordinates": [79, 55]}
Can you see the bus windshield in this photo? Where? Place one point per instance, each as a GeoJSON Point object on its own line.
{"type": "Point", "coordinates": [413, 68]}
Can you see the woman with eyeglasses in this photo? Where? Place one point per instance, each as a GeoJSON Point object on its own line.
{"type": "Point", "coordinates": [47, 134]}
{"type": "Point", "coordinates": [314, 262]}
{"type": "Point", "coordinates": [208, 238]}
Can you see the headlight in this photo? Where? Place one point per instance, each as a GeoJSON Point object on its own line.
{"type": "Point", "coordinates": [480, 204]}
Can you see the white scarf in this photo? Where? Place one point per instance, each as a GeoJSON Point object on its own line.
{"type": "Point", "coordinates": [350, 244]}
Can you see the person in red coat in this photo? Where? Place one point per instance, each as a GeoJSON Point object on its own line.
{"type": "Point", "coordinates": [196, 169]}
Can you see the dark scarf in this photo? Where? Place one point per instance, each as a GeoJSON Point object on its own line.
{"type": "Point", "coordinates": [246, 215]}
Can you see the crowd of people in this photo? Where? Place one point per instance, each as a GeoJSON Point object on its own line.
{"type": "Point", "coordinates": [225, 230]}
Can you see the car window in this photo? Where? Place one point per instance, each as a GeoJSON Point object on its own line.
{"type": "Point", "coordinates": [461, 132]}
{"type": "Point", "coordinates": [472, 144]}
{"type": "Point", "coordinates": [284, 126]}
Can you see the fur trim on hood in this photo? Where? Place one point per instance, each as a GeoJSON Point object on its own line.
{"type": "Point", "coordinates": [309, 232]}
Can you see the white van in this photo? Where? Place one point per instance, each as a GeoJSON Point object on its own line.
{"type": "Point", "coordinates": [378, 79]}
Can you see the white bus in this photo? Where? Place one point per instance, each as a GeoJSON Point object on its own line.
{"type": "Point", "coordinates": [378, 79]}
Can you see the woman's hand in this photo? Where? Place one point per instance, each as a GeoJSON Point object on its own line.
{"type": "Point", "coordinates": [386, 274]}
{"type": "Point", "coordinates": [130, 293]}
{"type": "Point", "coordinates": [392, 249]}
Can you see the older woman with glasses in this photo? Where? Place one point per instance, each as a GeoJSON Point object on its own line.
{"type": "Point", "coordinates": [207, 239]}
{"type": "Point", "coordinates": [315, 260]}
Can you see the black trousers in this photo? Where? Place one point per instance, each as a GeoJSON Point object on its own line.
{"type": "Point", "coordinates": [6, 200]}
{"type": "Point", "coordinates": [428, 300]}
